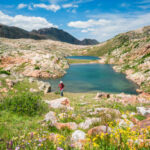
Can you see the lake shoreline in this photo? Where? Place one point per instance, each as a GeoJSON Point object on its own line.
{"type": "Point", "coordinates": [127, 73]}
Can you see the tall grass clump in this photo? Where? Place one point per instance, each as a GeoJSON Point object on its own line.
{"type": "Point", "coordinates": [24, 104]}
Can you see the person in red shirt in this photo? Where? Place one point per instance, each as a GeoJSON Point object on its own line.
{"type": "Point", "coordinates": [61, 86]}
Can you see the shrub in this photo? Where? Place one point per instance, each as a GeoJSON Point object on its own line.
{"type": "Point", "coordinates": [37, 68]}
{"type": "Point", "coordinates": [57, 92]}
{"type": "Point", "coordinates": [24, 104]}
{"type": "Point", "coordinates": [4, 71]}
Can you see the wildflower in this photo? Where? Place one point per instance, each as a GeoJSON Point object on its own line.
{"type": "Point", "coordinates": [94, 139]}
{"type": "Point", "coordinates": [31, 135]}
{"type": "Point", "coordinates": [17, 148]}
{"type": "Point", "coordinates": [40, 140]}
{"type": "Point", "coordinates": [111, 135]}
{"type": "Point", "coordinates": [95, 145]}
{"type": "Point", "coordinates": [59, 148]}
{"type": "Point", "coordinates": [72, 145]}
{"type": "Point", "coordinates": [10, 145]}
{"type": "Point", "coordinates": [40, 145]}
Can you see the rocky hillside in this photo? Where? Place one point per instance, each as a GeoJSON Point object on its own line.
{"type": "Point", "coordinates": [32, 58]}
{"type": "Point", "coordinates": [45, 33]}
{"type": "Point", "coordinates": [130, 52]}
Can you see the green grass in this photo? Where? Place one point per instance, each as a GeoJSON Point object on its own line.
{"type": "Point", "coordinates": [78, 61]}
{"type": "Point", "coordinates": [146, 70]}
{"type": "Point", "coordinates": [21, 67]}
{"type": "Point", "coordinates": [4, 71]}
{"type": "Point", "coordinates": [140, 117]}
{"type": "Point", "coordinates": [13, 125]}
{"type": "Point", "coordinates": [37, 68]}
{"type": "Point", "coordinates": [25, 103]}
{"type": "Point", "coordinates": [109, 46]}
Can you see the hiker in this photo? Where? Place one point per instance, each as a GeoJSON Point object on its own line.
{"type": "Point", "coordinates": [61, 86]}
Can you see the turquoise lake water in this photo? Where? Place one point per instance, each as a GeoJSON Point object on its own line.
{"type": "Point", "coordinates": [94, 78]}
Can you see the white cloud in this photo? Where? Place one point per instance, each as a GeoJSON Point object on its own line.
{"type": "Point", "coordinates": [51, 7]}
{"type": "Point", "coordinates": [30, 7]}
{"type": "Point", "coordinates": [21, 6]}
{"type": "Point", "coordinates": [110, 25]}
{"type": "Point", "coordinates": [25, 22]}
{"type": "Point", "coordinates": [89, 23]}
{"type": "Point", "coordinates": [69, 6]}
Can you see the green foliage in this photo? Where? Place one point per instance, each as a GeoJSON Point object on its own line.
{"type": "Point", "coordinates": [126, 67]}
{"type": "Point", "coordinates": [21, 67]}
{"type": "Point", "coordinates": [4, 71]}
{"type": "Point", "coordinates": [145, 56]}
{"type": "Point", "coordinates": [136, 45]}
{"type": "Point", "coordinates": [24, 104]}
{"type": "Point", "coordinates": [140, 117]}
{"type": "Point", "coordinates": [122, 108]}
{"type": "Point", "coordinates": [109, 46]}
{"type": "Point", "coordinates": [76, 61]}
{"type": "Point", "coordinates": [126, 50]}
{"type": "Point", "coordinates": [37, 68]}
{"type": "Point", "coordinates": [146, 70]}
{"type": "Point", "coordinates": [148, 39]}
{"type": "Point", "coordinates": [141, 61]}
{"type": "Point", "coordinates": [57, 92]}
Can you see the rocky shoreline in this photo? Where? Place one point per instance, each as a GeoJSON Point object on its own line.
{"type": "Point", "coordinates": [137, 78]}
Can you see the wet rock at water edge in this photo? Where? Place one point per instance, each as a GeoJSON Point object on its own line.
{"type": "Point", "coordinates": [45, 87]}
{"type": "Point", "coordinates": [102, 95]}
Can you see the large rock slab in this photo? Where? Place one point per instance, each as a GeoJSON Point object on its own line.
{"type": "Point", "coordinates": [143, 111]}
{"type": "Point", "coordinates": [124, 123]}
{"type": "Point", "coordinates": [88, 122]}
{"type": "Point", "coordinates": [113, 112]}
{"type": "Point", "coordinates": [78, 139]}
{"type": "Point", "coordinates": [51, 116]}
{"type": "Point", "coordinates": [69, 125]}
{"type": "Point", "coordinates": [59, 103]}
{"type": "Point", "coordinates": [77, 136]}
{"type": "Point", "coordinates": [44, 86]}
{"type": "Point", "coordinates": [142, 124]}
{"type": "Point", "coordinates": [98, 130]}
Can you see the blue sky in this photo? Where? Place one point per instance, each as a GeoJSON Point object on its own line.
{"type": "Point", "coordinates": [99, 19]}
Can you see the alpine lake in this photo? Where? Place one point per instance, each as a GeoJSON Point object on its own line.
{"type": "Point", "coordinates": [93, 77]}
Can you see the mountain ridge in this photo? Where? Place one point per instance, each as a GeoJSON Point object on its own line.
{"type": "Point", "coordinates": [13, 32]}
